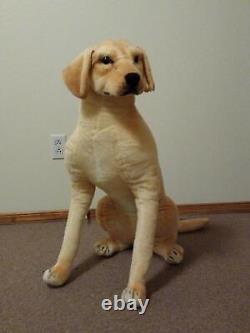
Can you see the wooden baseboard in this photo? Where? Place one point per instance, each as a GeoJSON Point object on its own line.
{"type": "Point", "coordinates": [185, 209]}
{"type": "Point", "coordinates": [215, 208]}
{"type": "Point", "coordinates": [43, 216]}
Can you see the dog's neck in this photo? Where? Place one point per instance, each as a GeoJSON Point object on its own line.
{"type": "Point", "coordinates": [96, 103]}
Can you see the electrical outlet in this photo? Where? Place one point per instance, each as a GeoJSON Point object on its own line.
{"type": "Point", "coordinates": [57, 143]}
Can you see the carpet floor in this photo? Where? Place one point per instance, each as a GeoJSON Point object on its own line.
{"type": "Point", "coordinates": [208, 292]}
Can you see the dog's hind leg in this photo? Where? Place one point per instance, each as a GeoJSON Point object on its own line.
{"type": "Point", "coordinates": [169, 251]}
{"type": "Point", "coordinates": [166, 232]}
{"type": "Point", "coordinates": [108, 247]}
{"type": "Point", "coordinates": [119, 226]}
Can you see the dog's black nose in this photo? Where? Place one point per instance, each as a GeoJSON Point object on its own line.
{"type": "Point", "coordinates": [132, 79]}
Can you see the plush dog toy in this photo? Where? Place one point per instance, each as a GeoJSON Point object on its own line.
{"type": "Point", "coordinates": [112, 148]}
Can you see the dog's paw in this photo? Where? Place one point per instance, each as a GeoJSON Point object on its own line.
{"type": "Point", "coordinates": [135, 292]}
{"type": "Point", "coordinates": [56, 276]}
{"type": "Point", "coordinates": [175, 255]}
{"type": "Point", "coordinates": [105, 248]}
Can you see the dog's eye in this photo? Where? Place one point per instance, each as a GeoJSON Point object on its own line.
{"type": "Point", "coordinates": [106, 60]}
{"type": "Point", "coordinates": [136, 59]}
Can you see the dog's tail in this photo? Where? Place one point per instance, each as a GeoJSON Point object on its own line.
{"type": "Point", "coordinates": [192, 224]}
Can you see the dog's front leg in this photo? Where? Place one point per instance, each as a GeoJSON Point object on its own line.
{"type": "Point", "coordinates": [81, 196]}
{"type": "Point", "coordinates": [147, 212]}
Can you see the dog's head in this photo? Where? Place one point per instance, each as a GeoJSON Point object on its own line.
{"type": "Point", "coordinates": [112, 68]}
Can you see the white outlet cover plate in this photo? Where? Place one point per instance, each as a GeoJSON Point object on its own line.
{"type": "Point", "coordinates": [57, 145]}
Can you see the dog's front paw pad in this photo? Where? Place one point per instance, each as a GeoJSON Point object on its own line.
{"type": "Point", "coordinates": [135, 294]}
{"type": "Point", "coordinates": [104, 248]}
{"type": "Point", "coordinates": [175, 256]}
{"type": "Point", "coordinates": [54, 277]}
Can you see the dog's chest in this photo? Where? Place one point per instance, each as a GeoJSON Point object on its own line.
{"type": "Point", "coordinates": [98, 156]}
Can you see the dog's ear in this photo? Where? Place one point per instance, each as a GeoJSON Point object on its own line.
{"type": "Point", "coordinates": [150, 85]}
{"type": "Point", "coordinates": [76, 75]}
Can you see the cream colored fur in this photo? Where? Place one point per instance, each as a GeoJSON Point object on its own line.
{"type": "Point", "coordinates": [112, 148]}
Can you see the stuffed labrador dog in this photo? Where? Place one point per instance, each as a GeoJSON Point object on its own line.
{"type": "Point", "coordinates": [112, 148]}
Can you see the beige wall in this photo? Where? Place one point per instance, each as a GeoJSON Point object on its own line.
{"type": "Point", "coordinates": [199, 114]}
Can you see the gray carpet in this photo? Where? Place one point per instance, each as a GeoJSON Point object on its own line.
{"type": "Point", "coordinates": [209, 292]}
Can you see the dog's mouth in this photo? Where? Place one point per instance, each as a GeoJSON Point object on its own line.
{"type": "Point", "coordinates": [125, 91]}
{"type": "Point", "coordinates": [130, 91]}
